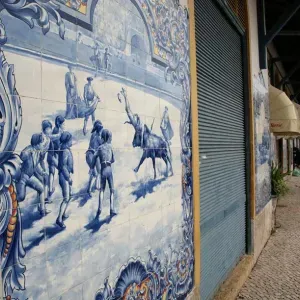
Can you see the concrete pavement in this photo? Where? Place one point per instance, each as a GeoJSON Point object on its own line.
{"type": "Point", "coordinates": [276, 275]}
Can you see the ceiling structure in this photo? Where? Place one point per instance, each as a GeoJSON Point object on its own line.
{"type": "Point", "coordinates": [282, 20]}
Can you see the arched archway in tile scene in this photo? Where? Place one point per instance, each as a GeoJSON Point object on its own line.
{"type": "Point", "coordinates": [82, 13]}
{"type": "Point", "coordinates": [138, 51]}
{"type": "Point", "coordinates": [37, 256]}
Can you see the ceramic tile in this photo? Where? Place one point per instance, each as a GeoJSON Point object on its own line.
{"type": "Point", "coordinates": [153, 80]}
{"type": "Point", "coordinates": [61, 49]}
{"type": "Point", "coordinates": [36, 275]}
{"type": "Point", "coordinates": [75, 293]}
{"type": "Point", "coordinates": [80, 195]}
{"type": "Point", "coordinates": [92, 287]}
{"type": "Point", "coordinates": [138, 229]}
{"type": "Point", "coordinates": [55, 112]}
{"type": "Point", "coordinates": [33, 226]}
{"type": "Point", "coordinates": [135, 72]}
{"type": "Point", "coordinates": [152, 108]}
{"type": "Point", "coordinates": [119, 237]}
{"type": "Point", "coordinates": [114, 121]}
{"type": "Point", "coordinates": [115, 22]}
{"type": "Point", "coordinates": [54, 72]}
{"type": "Point", "coordinates": [136, 22]}
{"type": "Point", "coordinates": [132, 8]}
{"type": "Point", "coordinates": [152, 222]}
{"type": "Point", "coordinates": [64, 262]}
{"type": "Point", "coordinates": [168, 212]}
{"type": "Point", "coordinates": [57, 237]}
{"type": "Point", "coordinates": [31, 121]}
{"type": "Point", "coordinates": [30, 190]}
{"type": "Point", "coordinates": [86, 50]}
{"type": "Point", "coordinates": [135, 96]}
{"type": "Point", "coordinates": [184, 3]}
{"type": "Point", "coordinates": [98, 20]}
{"type": "Point", "coordinates": [173, 106]}
{"type": "Point", "coordinates": [108, 91]}
{"type": "Point", "coordinates": [176, 160]}
{"type": "Point", "coordinates": [138, 51]}
{"type": "Point", "coordinates": [124, 4]}
{"type": "Point", "coordinates": [20, 35]}
{"type": "Point", "coordinates": [28, 80]}
{"type": "Point", "coordinates": [97, 252]}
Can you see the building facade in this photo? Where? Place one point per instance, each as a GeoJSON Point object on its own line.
{"type": "Point", "coordinates": [135, 149]}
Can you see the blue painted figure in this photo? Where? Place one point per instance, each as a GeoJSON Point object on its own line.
{"type": "Point", "coordinates": [72, 94]}
{"type": "Point", "coordinates": [65, 171]}
{"type": "Point", "coordinates": [106, 158]}
{"type": "Point", "coordinates": [54, 147]}
{"type": "Point", "coordinates": [96, 58]}
{"type": "Point", "coordinates": [31, 171]}
{"type": "Point", "coordinates": [107, 64]}
{"type": "Point", "coordinates": [48, 138]}
{"type": "Point", "coordinates": [166, 127]}
{"type": "Point", "coordinates": [89, 97]}
{"type": "Point", "coordinates": [95, 143]}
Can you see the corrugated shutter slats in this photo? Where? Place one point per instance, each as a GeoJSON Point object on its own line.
{"type": "Point", "coordinates": [222, 144]}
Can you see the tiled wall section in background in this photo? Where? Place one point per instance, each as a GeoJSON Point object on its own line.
{"type": "Point", "coordinates": [262, 143]}
{"type": "Point", "coordinates": [95, 150]}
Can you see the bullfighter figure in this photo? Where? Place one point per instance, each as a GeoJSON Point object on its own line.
{"type": "Point", "coordinates": [135, 121]}
{"type": "Point", "coordinates": [153, 145]}
{"type": "Point", "coordinates": [65, 170]}
{"type": "Point", "coordinates": [97, 55]}
{"type": "Point", "coordinates": [106, 158]}
{"type": "Point", "coordinates": [107, 64]}
{"type": "Point", "coordinates": [48, 139]}
{"type": "Point", "coordinates": [72, 94]}
{"type": "Point", "coordinates": [95, 143]}
{"type": "Point", "coordinates": [30, 169]}
{"type": "Point", "coordinates": [54, 147]}
{"type": "Point", "coordinates": [89, 97]}
{"type": "Point", "coordinates": [166, 127]}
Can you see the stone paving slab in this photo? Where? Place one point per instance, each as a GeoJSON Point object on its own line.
{"type": "Point", "coordinates": [276, 275]}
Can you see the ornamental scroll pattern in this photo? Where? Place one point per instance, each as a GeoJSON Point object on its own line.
{"type": "Point", "coordinates": [11, 244]}
{"type": "Point", "coordinates": [167, 23]}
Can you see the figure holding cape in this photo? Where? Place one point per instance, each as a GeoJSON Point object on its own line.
{"type": "Point", "coordinates": [72, 94]}
{"type": "Point", "coordinates": [166, 127]}
{"type": "Point", "coordinates": [91, 100]}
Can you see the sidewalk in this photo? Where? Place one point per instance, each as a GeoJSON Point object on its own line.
{"type": "Point", "coordinates": [276, 275]}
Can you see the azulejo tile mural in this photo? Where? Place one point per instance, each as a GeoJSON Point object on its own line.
{"type": "Point", "coordinates": [95, 150]}
{"type": "Point", "coordinates": [263, 143]}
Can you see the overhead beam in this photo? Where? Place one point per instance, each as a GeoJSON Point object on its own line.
{"type": "Point", "coordinates": [289, 74]}
{"type": "Point", "coordinates": [266, 38]}
{"type": "Point", "coordinates": [282, 20]}
{"type": "Point", "coordinates": [295, 95]}
{"type": "Point", "coordinates": [285, 58]}
{"type": "Point", "coordinates": [261, 24]}
{"type": "Point", "coordinates": [289, 33]}
{"type": "Point", "coordinates": [293, 82]}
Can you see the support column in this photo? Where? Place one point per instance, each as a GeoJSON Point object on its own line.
{"type": "Point", "coordinates": [195, 147]}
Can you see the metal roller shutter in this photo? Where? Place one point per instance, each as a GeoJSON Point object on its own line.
{"type": "Point", "coordinates": [221, 117]}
